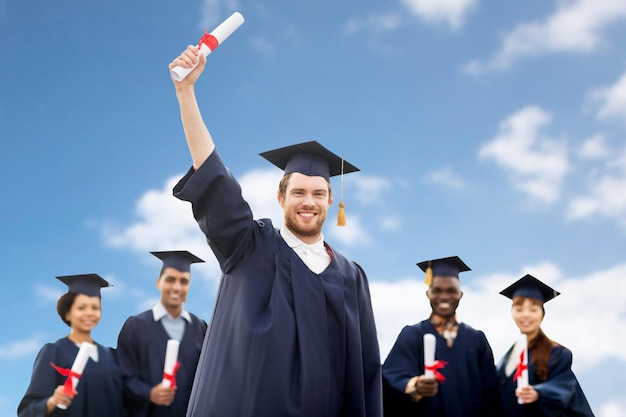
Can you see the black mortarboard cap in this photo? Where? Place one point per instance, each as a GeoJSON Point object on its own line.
{"type": "Point", "coordinates": [180, 260]}
{"type": "Point", "coordinates": [529, 286]}
{"type": "Point", "coordinates": [88, 284]}
{"type": "Point", "coordinates": [312, 159]}
{"type": "Point", "coordinates": [309, 158]}
{"type": "Point", "coordinates": [443, 267]}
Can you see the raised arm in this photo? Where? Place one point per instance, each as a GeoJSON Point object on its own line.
{"type": "Point", "coordinates": [199, 139]}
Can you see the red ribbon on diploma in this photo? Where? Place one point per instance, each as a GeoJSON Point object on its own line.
{"type": "Point", "coordinates": [172, 377]}
{"type": "Point", "coordinates": [68, 387]}
{"type": "Point", "coordinates": [209, 40]}
{"type": "Point", "coordinates": [521, 367]}
{"type": "Point", "coordinates": [435, 369]}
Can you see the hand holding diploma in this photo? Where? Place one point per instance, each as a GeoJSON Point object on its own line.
{"type": "Point", "coordinates": [87, 350]}
{"type": "Point", "coordinates": [429, 355]}
{"type": "Point", "coordinates": [170, 367]}
{"type": "Point", "coordinates": [521, 373]}
{"type": "Point", "coordinates": [431, 366]}
{"type": "Point", "coordinates": [209, 42]}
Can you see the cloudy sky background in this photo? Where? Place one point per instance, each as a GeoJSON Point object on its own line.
{"type": "Point", "coordinates": [490, 130]}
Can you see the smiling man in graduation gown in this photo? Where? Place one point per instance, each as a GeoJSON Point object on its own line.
{"type": "Point", "coordinates": [293, 331]}
{"type": "Point", "coordinates": [465, 380]}
{"type": "Point", "coordinates": [142, 344]}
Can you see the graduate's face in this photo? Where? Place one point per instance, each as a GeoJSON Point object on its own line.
{"type": "Point", "coordinates": [444, 295]}
{"type": "Point", "coordinates": [305, 205]}
{"type": "Point", "coordinates": [527, 314]}
{"type": "Point", "coordinates": [174, 286]}
{"type": "Point", "coordinates": [84, 314]}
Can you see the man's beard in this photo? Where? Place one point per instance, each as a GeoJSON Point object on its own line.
{"type": "Point", "coordinates": [292, 224]}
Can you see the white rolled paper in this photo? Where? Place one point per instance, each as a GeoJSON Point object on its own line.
{"type": "Point", "coordinates": [171, 357]}
{"type": "Point", "coordinates": [522, 355]}
{"type": "Point", "coordinates": [87, 350]}
{"type": "Point", "coordinates": [220, 33]}
{"type": "Point", "coordinates": [429, 354]}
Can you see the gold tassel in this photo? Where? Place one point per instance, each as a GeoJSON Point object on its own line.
{"type": "Point", "coordinates": [429, 276]}
{"type": "Point", "coordinates": [341, 217]}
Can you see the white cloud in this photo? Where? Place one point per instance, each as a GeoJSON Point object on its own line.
{"type": "Point", "coordinates": [535, 163]}
{"type": "Point", "coordinates": [164, 223]}
{"type": "Point", "coordinates": [612, 100]}
{"type": "Point", "coordinates": [445, 177]}
{"type": "Point", "coordinates": [20, 348]}
{"type": "Point", "coordinates": [213, 12]}
{"type": "Point", "coordinates": [373, 28]}
{"type": "Point", "coordinates": [370, 189]}
{"type": "Point", "coordinates": [48, 294]}
{"type": "Point", "coordinates": [350, 234]}
{"type": "Point", "coordinates": [373, 24]}
{"type": "Point", "coordinates": [451, 12]}
{"type": "Point", "coordinates": [263, 46]}
{"type": "Point", "coordinates": [605, 196]}
{"type": "Point", "coordinates": [594, 147]}
{"type": "Point", "coordinates": [259, 188]}
{"type": "Point", "coordinates": [582, 305]}
{"type": "Point", "coordinates": [576, 26]}
{"type": "Point", "coordinates": [612, 409]}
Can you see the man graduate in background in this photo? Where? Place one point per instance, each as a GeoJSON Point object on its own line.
{"type": "Point", "coordinates": [465, 380]}
{"type": "Point", "coordinates": [142, 342]}
{"type": "Point", "coordinates": [293, 330]}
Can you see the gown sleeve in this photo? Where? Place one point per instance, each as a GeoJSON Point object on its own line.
{"type": "Point", "coordinates": [43, 382]}
{"type": "Point", "coordinates": [219, 208]}
{"type": "Point", "coordinates": [136, 391]}
{"type": "Point", "coordinates": [402, 362]}
{"type": "Point", "coordinates": [557, 391]}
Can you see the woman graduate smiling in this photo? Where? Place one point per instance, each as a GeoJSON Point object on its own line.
{"type": "Point", "coordinates": [99, 389]}
{"type": "Point", "coordinates": [553, 389]}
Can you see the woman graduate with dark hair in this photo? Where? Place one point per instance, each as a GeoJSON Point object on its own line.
{"type": "Point", "coordinates": [56, 388]}
{"type": "Point", "coordinates": [552, 389]}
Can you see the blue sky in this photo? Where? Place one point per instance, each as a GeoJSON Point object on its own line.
{"type": "Point", "coordinates": [485, 129]}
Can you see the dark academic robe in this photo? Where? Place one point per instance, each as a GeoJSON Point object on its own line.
{"type": "Point", "coordinates": [141, 347]}
{"type": "Point", "coordinates": [99, 389]}
{"type": "Point", "coordinates": [469, 389]}
{"type": "Point", "coordinates": [560, 395]}
{"type": "Point", "coordinates": [283, 340]}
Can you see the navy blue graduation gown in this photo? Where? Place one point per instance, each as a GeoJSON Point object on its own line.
{"type": "Point", "coordinates": [141, 347]}
{"type": "Point", "coordinates": [469, 389]}
{"type": "Point", "coordinates": [560, 395]}
{"type": "Point", "coordinates": [99, 390]}
{"type": "Point", "coordinates": [283, 341]}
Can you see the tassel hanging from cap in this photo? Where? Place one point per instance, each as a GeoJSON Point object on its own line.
{"type": "Point", "coordinates": [341, 216]}
{"type": "Point", "coordinates": [428, 280]}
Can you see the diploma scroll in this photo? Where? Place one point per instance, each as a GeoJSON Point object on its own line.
{"type": "Point", "coordinates": [171, 363]}
{"type": "Point", "coordinates": [211, 41]}
{"type": "Point", "coordinates": [429, 355]}
{"type": "Point", "coordinates": [87, 350]}
{"type": "Point", "coordinates": [521, 373]}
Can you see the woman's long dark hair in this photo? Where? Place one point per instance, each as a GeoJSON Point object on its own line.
{"type": "Point", "coordinates": [540, 345]}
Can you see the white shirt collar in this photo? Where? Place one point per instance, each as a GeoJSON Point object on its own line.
{"type": "Point", "coordinates": [159, 311]}
{"type": "Point", "coordinates": [314, 256]}
{"type": "Point", "coordinates": [294, 242]}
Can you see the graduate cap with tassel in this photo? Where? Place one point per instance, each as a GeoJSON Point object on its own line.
{"type": "Point", "coordinates": [442, 267]}
{"type": "Point", "coordinates": [312, 159]}
{"type": "Point", "coordinates": [531, 287]}
{"type": "Point", "coordinates": [88, 284]}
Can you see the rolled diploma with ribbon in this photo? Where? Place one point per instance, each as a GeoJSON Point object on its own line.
{"type": "Point", "coordinates": [85, 351]}
{"type": "Point", "coordinates": [171, 357]}
{"type": "Point", "coordinates": [429, 355]}
{"type": "Point", "coordinates": [219, 35]}
{"type": "Point", "coordinates": [522, 367]}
